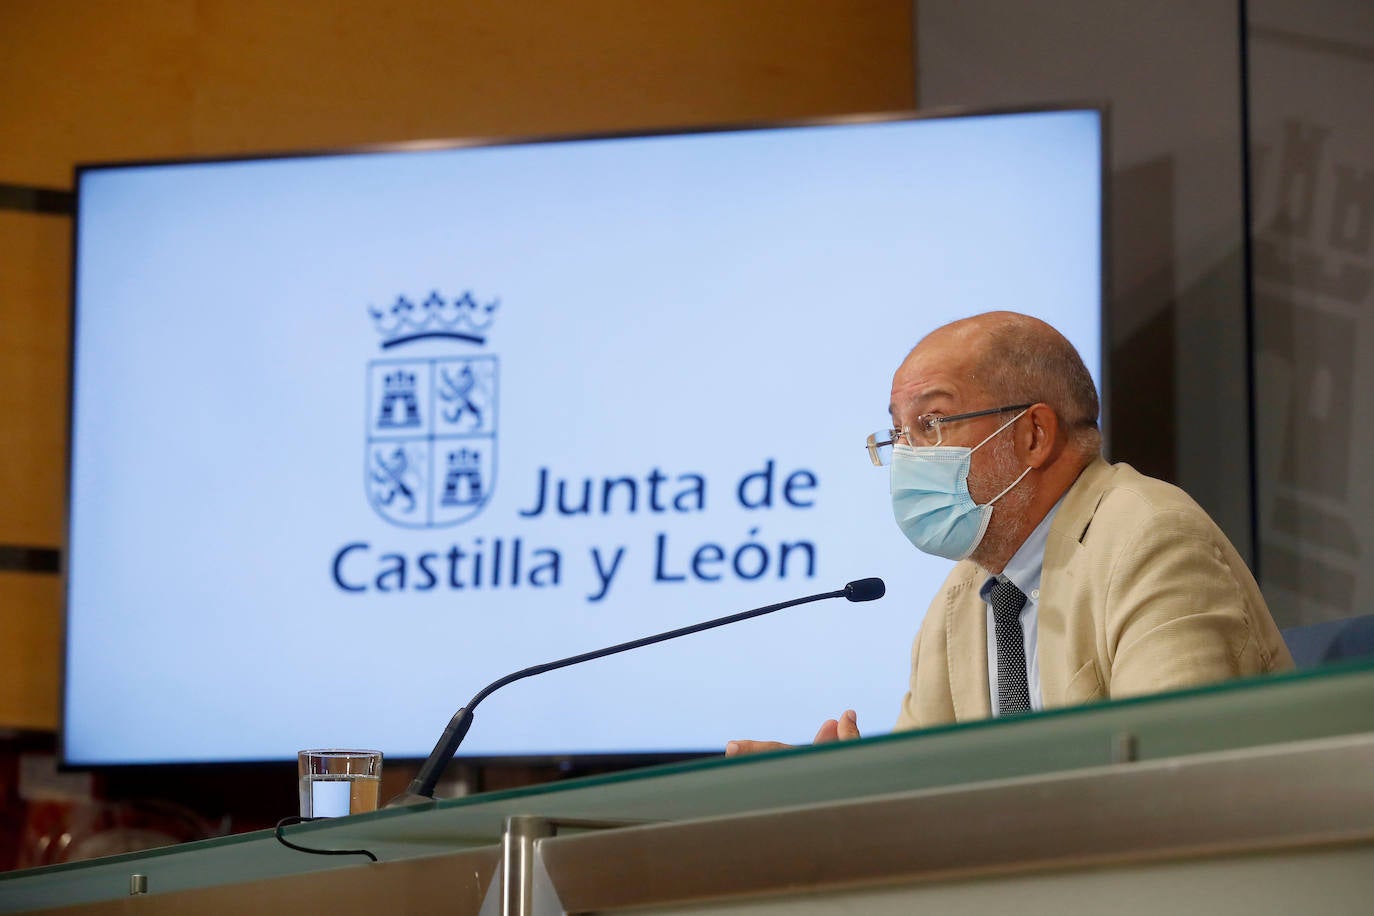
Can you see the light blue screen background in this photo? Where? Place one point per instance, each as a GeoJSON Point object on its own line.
{"type": "Point", "coordinates": [694, 304]}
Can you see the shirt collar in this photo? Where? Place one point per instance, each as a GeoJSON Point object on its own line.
{"type": "Point", "coordinates": [1024, 568]}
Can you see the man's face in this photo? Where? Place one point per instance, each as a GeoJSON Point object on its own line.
{"type": "Point", "coordinates": [938, 379]}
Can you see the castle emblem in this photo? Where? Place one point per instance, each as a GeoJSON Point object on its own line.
{"type": "Point", "coordinates": [431, 419]}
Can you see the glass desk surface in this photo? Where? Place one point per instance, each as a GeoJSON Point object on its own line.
{"type": "Point", "coordinates": [1275, 709]}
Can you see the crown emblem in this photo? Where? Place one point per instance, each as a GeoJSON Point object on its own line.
{"type": "Point", "coordinates": [463, 318]}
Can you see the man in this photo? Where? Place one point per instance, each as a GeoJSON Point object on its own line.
{"type": "Point", "coordinates": [1079, 580]}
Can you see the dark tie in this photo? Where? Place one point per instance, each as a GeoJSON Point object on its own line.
{"type": "Point", "coordinates": [1013, 693]}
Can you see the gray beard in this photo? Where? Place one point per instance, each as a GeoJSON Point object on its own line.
{"type": "Point", "coordinates": [1008, 513]}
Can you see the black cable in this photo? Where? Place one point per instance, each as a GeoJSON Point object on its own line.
{"type": "Point", "coordinates": [296, 819]}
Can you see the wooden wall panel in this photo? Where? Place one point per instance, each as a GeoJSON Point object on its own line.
{"type": "Point", "coordinates": [534, 66]}
{"type": "Point", "coordinates": [118, 79]}
{"type": "Point", "coordinates": [93, 79]}
{"type": "Point", "coordinates": [30, 650]}
{"type": "Point", "coordinates": [34, 313]}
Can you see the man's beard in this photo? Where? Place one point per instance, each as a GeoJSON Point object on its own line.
{"type": "Point", "coordinates": [1009, 512]}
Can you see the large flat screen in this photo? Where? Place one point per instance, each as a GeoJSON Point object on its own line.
{"type": "Point", "coordinates": [355, 434]}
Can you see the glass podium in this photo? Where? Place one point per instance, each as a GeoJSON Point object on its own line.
{"type": "Point", "coordinates": [1254, 767]}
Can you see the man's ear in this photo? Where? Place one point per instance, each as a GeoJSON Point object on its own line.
{"type": "Point", "coordinates": [1040, 435]}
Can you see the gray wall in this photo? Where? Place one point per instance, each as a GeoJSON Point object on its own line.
{"type": "Point", "coordinates": [1179, 409]}
{"type": "Point", "coordinates": [1170, 69]}
{"type": "Point", "coordinates": [1312, 153]}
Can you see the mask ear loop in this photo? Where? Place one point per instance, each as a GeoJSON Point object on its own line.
{"type": "Point", "coordinates": [1023, 473]}
{"type": "Point", "coordinates": [996, 431]}
{"type": "Point", "coordinates": [1009, 486]}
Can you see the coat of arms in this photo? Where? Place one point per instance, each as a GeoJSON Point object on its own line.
{"type": "Point", "coordinates": [430, 456]}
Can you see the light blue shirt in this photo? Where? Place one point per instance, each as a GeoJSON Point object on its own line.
{"type": "Point", "coordinates": [1022, 570]}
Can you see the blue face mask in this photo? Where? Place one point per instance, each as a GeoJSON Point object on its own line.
{"type": "Point", "coordinates": [930, 497]}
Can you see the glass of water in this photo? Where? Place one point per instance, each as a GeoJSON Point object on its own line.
{"type": "Point", "coordinates": [336, 782]}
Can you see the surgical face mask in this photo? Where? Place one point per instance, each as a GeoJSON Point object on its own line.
{"type": "Point", "coordinates": [930, 497]}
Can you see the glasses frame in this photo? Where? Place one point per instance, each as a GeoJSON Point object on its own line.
{"type": "Point", "coordinates": [930, 422]}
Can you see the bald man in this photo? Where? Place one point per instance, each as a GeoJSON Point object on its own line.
{"type": "Point", "coordinates": [1077, 580]}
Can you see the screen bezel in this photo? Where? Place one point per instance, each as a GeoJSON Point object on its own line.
{"type": "Point", "coordinates": [565, 763]}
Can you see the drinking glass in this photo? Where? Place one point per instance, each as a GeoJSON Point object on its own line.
{"type": "Point", "coordinates": [336, 782]}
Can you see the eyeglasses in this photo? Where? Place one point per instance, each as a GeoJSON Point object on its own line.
{"type": "Point", "coordinates": [927, 427]}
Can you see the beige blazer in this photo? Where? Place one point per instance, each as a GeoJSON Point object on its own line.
{"type": "Point", "coordinates": [1141, 592]}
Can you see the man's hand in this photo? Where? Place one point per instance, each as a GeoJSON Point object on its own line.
{"type": "Point", "coordinates": [845, 728]}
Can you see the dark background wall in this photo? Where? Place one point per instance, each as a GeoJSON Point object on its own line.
{"type": "Point", "coordinates": [1312, 155]}
{"type": "Point", "coordinates": [1227, 116]}
{"type": "Point", "coordinates": [1170, 70]}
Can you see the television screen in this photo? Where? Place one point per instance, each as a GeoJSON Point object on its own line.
{"type": "Point", "coordinates": [354, 435]}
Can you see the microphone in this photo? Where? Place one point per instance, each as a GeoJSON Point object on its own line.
{"type": "Point", "coordinates": [421, 788]}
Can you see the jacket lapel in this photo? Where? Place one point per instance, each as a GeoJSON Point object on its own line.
{"type": "Point", "coordinates": [1067, 531]}
{"type": "Point", "coordinates": [966, 642]}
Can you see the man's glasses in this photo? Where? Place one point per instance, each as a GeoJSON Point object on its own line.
{"type": "Point", "coordinates": [925, 431]}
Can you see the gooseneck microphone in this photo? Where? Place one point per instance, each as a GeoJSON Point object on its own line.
{"type": "Point", "coordinates": [422, 787]}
